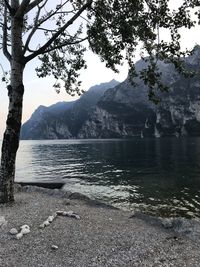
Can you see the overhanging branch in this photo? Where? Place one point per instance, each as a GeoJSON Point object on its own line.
{"type": "Point", "coordinates": [66, 44]}
{"type": "Point", "coordinates": [42, 49]}
{"type": "Point", "coordinates": [52, 14]}
{"type": "Point", "coordinates": [34, 28]}
{"type": "Point", "coordinates": [37, 24]}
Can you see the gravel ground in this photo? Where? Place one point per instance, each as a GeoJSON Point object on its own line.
{"type": "Point", "coordinates": [102, 237]}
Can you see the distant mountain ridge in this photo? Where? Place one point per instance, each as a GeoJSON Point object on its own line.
{"type": "Point", "coordinates": [124, 111]}
{"type": "Point", "coordinates": [63, 119]}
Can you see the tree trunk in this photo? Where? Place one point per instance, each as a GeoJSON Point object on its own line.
{"type": "Point", "coordinates": [11, 139]}
{"type": "Point", "coordinates": [13, 124]}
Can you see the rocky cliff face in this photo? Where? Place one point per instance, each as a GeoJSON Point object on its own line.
{"type": "Point", "coordinates": [124, 111]}
{"type": "Point", "coordinates": [121, 112]}
{"type": "Point", "coordinates": [64, 119]}
{"type": "Point", "coordinates": [46, 123]}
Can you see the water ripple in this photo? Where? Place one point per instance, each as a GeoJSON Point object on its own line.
{"type": "Point", "coordinates": [158, 176]}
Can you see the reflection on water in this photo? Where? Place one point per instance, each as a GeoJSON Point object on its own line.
{"type": "Point", "coordinates": [160, 176]}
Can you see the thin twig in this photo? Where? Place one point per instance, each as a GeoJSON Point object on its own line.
{"type": "Point", "coordinates": [42, 49]}
{"type": "Point", "coordinates": [65, 44]}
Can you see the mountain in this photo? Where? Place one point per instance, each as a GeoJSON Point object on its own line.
{"type": "Point", "coordinates": [126, 111]}
{"type": "Point", "coordinates": [122, 110]}
{"type": "Point", "coordinates": [64, 119]}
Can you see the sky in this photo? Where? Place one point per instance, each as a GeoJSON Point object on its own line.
{"type": "Point", "coordinates": [40, 91]}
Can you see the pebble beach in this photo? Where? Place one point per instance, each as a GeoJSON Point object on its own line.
{"type": "Point", "coordinates": [99, 235]}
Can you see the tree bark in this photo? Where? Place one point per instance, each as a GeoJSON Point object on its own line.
{"type": "Point", "coordinates": [13, 124]}
{"type": "Point", "coordinates": [10, 143]}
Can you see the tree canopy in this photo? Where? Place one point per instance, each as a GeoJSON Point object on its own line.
{"type": "Point", "coordinates": [59, 32]}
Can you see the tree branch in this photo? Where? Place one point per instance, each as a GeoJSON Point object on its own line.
{"type": "Point", "coordinates": [8, 6]}
{"type": "Point", "coordinates": [22, 8]}
{"type": "Point", "coordinates": [5, 36]}
{"type": "Point", "coordinates": [46, 30]}
{"type": "Point", "coordinates": [34, 28]}
{"type": "Point", "coordinates": [32, 5]}
{"type": "Point", "coordinates": [52, 14]}
{"type": "Point", "coordinates": [36, 24]}
{"type": "Point", "coordinates": [42, 49]}
{"type": "Point", "coordinates": [65, 44]}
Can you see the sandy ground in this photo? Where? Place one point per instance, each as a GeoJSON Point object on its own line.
{"type": "Point", "coordinates": [102, 237]}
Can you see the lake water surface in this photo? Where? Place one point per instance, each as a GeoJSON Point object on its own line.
{"type": "Point", "coordinates": [159, 176]}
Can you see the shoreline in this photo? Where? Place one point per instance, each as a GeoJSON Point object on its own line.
{"type": "Point", "coordinates": [135, 208]}
{"type": "Point", "coordinates": [104, 235]}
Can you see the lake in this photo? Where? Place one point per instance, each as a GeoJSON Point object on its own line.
{"type": "Point", "coordinates": [158, 176]}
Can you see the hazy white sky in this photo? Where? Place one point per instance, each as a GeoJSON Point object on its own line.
{"type": "Point", "coordinates": [40, 91]}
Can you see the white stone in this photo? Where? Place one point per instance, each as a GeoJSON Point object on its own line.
{"type": "Point", "coordinates": [19, 235]}
{"type": "Point", "coordinates": [76, 216]}
{"type": "Point", "coordinates": [54, 215]}
{"type": "Point", "coordinates": [41, 225]}
{"type": "Point", "coordinates": [25, 226]}
{"type": "Point", "coordinates": [13, 231]}
{"type": "Point", "coordinates": [54, 247]}
{"type": "Point", "coordinates": [50, 219]}
{"type": "Point", "coordinates": [25, 231]}
{"type": "Point", "coordinates": [46, 223]}
{"type": "Point", "coordinates": [70, 213]}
